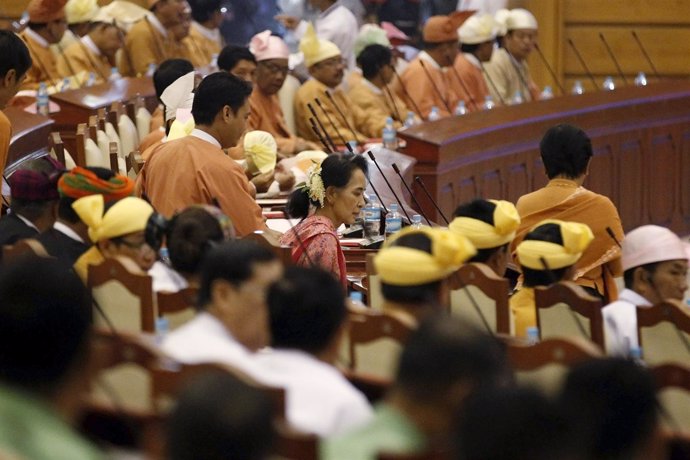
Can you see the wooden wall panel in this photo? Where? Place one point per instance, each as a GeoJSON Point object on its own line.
{"type": "Point", "coordinates": [491, 184]}
{"type": "Point", "coordinates": [602, 177]}
{"type": "Point", "coordinates": [685, 172]}
{"type": "Point", "coordinates": [660, 183]}
{"type": "Point", "coordinates": [627, 11]}
{"type": "Point", "coordinates": [630, 167]}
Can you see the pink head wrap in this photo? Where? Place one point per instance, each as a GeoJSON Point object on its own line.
{"type": "Point", "coordinates": [265, 46]}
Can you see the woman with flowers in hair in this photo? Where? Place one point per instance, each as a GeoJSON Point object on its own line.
{"type": "Point", "coordinates": [332, 195]}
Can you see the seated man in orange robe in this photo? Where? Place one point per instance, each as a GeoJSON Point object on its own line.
{"type": "Point", "coordinates": [477, 36]}
{"type": "Point", "coordinates": [566, 151]}
{"type": "Point", "coordinates": [195, 169]}
{"type": "Point", "coordinates": [271, 55]}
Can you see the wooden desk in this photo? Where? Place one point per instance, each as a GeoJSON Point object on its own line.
{"type": "Point", "coordinates": [640, 136]}
{"type": "Point", "coordinates": [29, 137]}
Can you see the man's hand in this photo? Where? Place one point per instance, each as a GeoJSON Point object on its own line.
{"type": "Point", "coordinates": [263, 181]}
{"type": "Point", "coordinates": [284, 177]}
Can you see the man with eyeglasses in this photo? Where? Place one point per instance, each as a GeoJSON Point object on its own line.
{"type": "Point", "coordinates": [47, 25]}
{"type": "Point", "coordinates": [271, 54]}
{"type": "Point", "coordinates": [508, 75]}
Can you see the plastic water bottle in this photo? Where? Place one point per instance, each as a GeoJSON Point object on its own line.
{"type": "Point", "coordinates": [434, 115]}
{"type": "Point", "coordinates": [357, 300]}
{"type": "Point", "coordinates": [489, 103]}
{"type": "Point", "coordinates": [532, 335]}
{"type": "Point", "coordinates": [416, 221]}
{"type": "Point", "coordinates": [460, 109]}
{"type": "Point", "coordinates": [214, 62]}
{"type": "Point", "coordinates": [162, 329]}
{"type": "Point", "coordinates": [164, 255]}
{"type": "Point", "coordinates": [393, 220]}
{"type": "Point", "coordinates": [641, 79]}
{"type": "Point", "coordinates": [151, 70]}
{"type": "Point", "coordinates": [546, 94]}
{"type": "Point", "coordinates": [372, 218]}
{"type": "Point", "coordinates": [410, 120]}
{"type": "Point", "coordinates": [390, 135]}
{"type": "Point", "coordinates": [91, 81]}
{"type": "Point", "coordinates": [609, 84]}
{"type": "Point", "coordinates": [42, 100]}
{"type": "Point", "coordinates": [578, 88]}
{"type": "Point", "coordinates": [517, 98]}
{"type": "Point", "coordinates": [353, 145]}
{"type": "Point", "coordinates": [114, 75]}
{"type": "Point", "coordinates": [636, 355]}
{"type": "Point", "coordinates": [65, 85]}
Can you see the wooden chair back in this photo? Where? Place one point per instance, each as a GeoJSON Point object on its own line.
{"type": "Point", "coordinates": [81, 144]}
{"type": "Point", "coordinates": [294, 445]}
{"type": "Point", "coordinates": [564, 309]}
{"type": "Point", "coordinates": [24, 247]}
{"type": "Point", "coordinates": [92, 128]}
{"type": "Point", "coordinates": [375, 341]}
{"type": "Point", "coordinates": [284, 253]}
{"type": "Point", "coordinates": [179, 307]}
{"type": "Point", "coordinates": [664, 333]}
{"type": "Point", "coordinates": [545, 364]}
{"type": "Point", "coordinates": [124, 294]}
{"type": "Point", "coordinates": [476, 287]}
{"type": "Point", "coordinates": [374, 294]}
{"type": "Point", "coordinates": [673, 390]}
{"type": "Point", "coordinates": [112, 154]}
{"type": "Point", "coordinates": [374, 388]}
{"type": "Point", "coordinates": [135, 161]}
{"type": "Point", "coordinates": [57, 147]}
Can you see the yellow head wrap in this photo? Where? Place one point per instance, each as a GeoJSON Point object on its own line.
{"type": "Point", "coordinates": [484, 235]}
{"type": "Point", "coordinates": [261, 148]}
{"type": "Point", "coordinates": [316, 49]}
{"type": "Point", "coordinates": [128, 215]}
{"type": "Point", "coordinates": [402, 266]}
{"type": "Point", "coordinates": [576, 238]}
{"type": "Point", "coordinates": [78, 11]}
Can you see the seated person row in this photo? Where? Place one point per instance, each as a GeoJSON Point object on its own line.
{"type": "Point", "coordinates": [547, 254]}
{"type": "Point", "coordinates": [477, 37]}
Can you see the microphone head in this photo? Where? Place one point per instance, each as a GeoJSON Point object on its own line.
{"type": "Point", "coordinates": [395, 168]}
{"type": "Point", "coordinates": [418, 179]}
{"type": "Point", "coordinates": [371, 155]}
{"type": "Point", "coordinates": [318, 102]}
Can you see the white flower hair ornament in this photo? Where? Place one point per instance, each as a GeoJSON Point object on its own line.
{"type": "Point", "coordinates": [314, 185]}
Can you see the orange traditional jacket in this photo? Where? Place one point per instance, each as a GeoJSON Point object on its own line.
{"type": "Point", "coordinates": [473, 79]}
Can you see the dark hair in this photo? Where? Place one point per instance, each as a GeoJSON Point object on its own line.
{"type": "Point", "coordinates": [422, 294]}
{"type": "Point", "coordinates": [480, 210]}
{"type": "Point", "coordinates": [306, 307]}
{"type": "Point", "coordinates": [546, 277]}
{"type": "Point", "coordinates": [612, 406]}
{"type": "Point", "coordinates": [470, 49]}
{"type": "Point", "coordinates": [189, 238]}
{"type": "Point", "coordinates": [169, 71]}
{"type": "Point", "coordinates": [372, 59]}
{"type": "Point", "coordinates": [202, 10]}
{"type": "Point", "coordinates": [629, 274]}
{"type": "Point", "coordinates": [231, 55]}
{"type": "Point", "coordinates": [445, 351]}
{"type": "Point", "coordinates": [219, 416]}
{"type": "Point", "coordinates": [510, 424]}
{"type": "Point", "coordinates": [215, 92]}
{"type": "Point", "coordinates": [336, 171]}
{"type": "Point", "coordinates": [232, 261]}
{"type": "Point", "coordinates": [565, 150]}
{"type": "Point", "coordinates": [45, 318]}
{"type": "Point", "coordinates": [65, 210]}
{"type": "Point", "coordinates": [15, 54]}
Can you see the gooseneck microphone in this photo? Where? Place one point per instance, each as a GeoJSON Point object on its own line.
{"type": "Point", "coordinates": [342, 115]}
{"type": "Point", "coordinates": [407, 95]}
{"type": "Point", "coordinates": [464, 87]}
{"type": "Point", "coordinates": [613, 58]}
{"type": "Point", "coordinates": [395, 195]}
{"type": "Point", "coordinates": [320, 124]}
{"type": "Point", "coordinates": [433, 85]}
{"type": "Point", "coordinates": [330, 121]}
{"type": "Point", "coordinates": [428, 195]}
{"type": "Point", "coordinates": [491, 82]}
{"type": "Point", "coordinates": [549, 68]}
{"type": "Point", "coordinates": [583, 64]}
{"type": "Point", "coordinates": [318, 134]}
{"type": "Point", "coordinates": [646, 56]}
{"type": "Point", "coordinates": [397, 171]}
{"type": "Point", "coordinates": [69, 65]}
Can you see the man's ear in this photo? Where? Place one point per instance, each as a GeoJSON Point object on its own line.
{"type": "Point", "coordinates": [10, 78]}
{"type": "Point", "coordinates": [227, 113]}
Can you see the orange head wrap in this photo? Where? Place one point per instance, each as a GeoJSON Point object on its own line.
{"type": "Point", "coordinates": [44, 11]}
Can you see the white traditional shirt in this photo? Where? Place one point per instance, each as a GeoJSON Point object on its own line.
{"type": "Point", "coordinates": [620, 322]}
{"type": "Point", "coordinates": [319, 398]}
{"type": "Point", "coordinates": [339, 25]}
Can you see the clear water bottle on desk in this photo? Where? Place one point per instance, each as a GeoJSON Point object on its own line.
{"type": "Point", "coordinates": [151, 70]}
{"type": "Point", "coordinates": [65, 85]}
{"type": "Point", "coordinates": [91, 81]}
{"type": "Point", "coordinates": [532, 335]}
{"type": "Point", "coordinates": [517, 98]}
{"type": "Point", "coordinates": [114, 75]}
{"type": "Point", "coordinates": [410, 120]}
{"type": "Point", "coordinates": [372, 218]}
{"type": "Point", "coordinates": [578, 88]}
{"type": "Point", "coordinates": [609, 84]}
{"type": "Point", "coordinates": [42, 100]}
{"type": "Point", "coordinates": [489, 103]}
{"type": "Point", "coordinates": [641, 79]}
{"type": "Point", "coordinates": [434, 114]}
{"type": "Point", "coordinates": [460, 109]}
{"type": "Point", "coordinates": [357, 300]}
{"type": "Point", "coordinates": [390, 135]}
{"type": "Point", "coordinates": [162, 329]}
{"type": "Point", "coordinates": [416, 221]}
{"type": "Point", "coordinates": [546, 94]}
{"type": "Point", "coordinates": [393, 220]}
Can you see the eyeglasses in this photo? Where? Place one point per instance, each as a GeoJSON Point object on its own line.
{"type": "Point", "coordinates": [334, 62]}
{"type": "Point", "coordinates": [275, 68]}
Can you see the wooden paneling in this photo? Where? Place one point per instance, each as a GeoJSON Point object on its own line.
{"type": "Point", "coordinates": [630, 167]}
{"type": "Point", "coordinates": [12, 8]}
{"type": "Point", "coordinates": [627, 11]}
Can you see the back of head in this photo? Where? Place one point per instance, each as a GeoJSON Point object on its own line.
{"type": "Point", "coordinates": [169, 71]}
{"type": "Point", "coordinates": [232, 261]}
{"type": "Point", "coordinates": [231, 55]}
{"type": "Point", "coordinates": [510, 424]}
{"type": "Point", "coordinates": [87, 181]}
{"type": "Point", "coordinates": [218, 416]}
{"type": "Point", "coordinates": [612, 407]}
{"type": "Point", "coordinates": [190, 235]}
{"type": "Point", "coordinates": [423, 293]}
{"type": "Point", "coordinates": [215, 92]}
{"type": "Point", "coordinates": [565, 151]}
{"type": "Point", "coordinates": [15, 54]}
{"type": "Point", "coordinates": [372, 59]}
{"type": "Point", "coordinates": [45, 318]}
{"type": "Point", "coordinates": [202, 10]}
{"type": "Point", "coordinates": [34, 187]}
{"type": "Point", "coordinates": [306, 308]}
{"type": "Point", "coordinates": [445, 352]}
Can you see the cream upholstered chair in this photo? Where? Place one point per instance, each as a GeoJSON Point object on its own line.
{"type": "Point", "coordinates": [286, 96]}
{"type": "Point", "coordinates": [475, 286]}
{"type": "Point", "coordinates": [664, 333]}
{"type": "Point", "coordinates": [59, 152]}
{"type": "Point", "coordinates": [374, 294]}
{"type": "Point", "coordinates": [673, 390]}
{"type": "Point", "coordinates": [143, 121]}
{"type": "Point", "coordinates": [564, 309]}
{"type": "Point", "coordinates": [178, 307]}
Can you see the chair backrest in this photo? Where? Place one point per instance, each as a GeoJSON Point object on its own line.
{"type": "Point", "coordinates": [286, 96]}
{"type": "Point", "coordinates": [374, 388]}
{"type": "Point", "coordinates": [476, 287]}
{"type": "Point", "coordinates": [23, 247]}
{"type": "Point", "coordinates": [113, 156]}
{"type": "Point", "coordinates": [294, 445]}
{"type": "Point", "coordinates": [374, 294]}
{"type": "Point", "coordinates": [284, 253]}
{"type": "Point", "coordinates": [673, 390]}
{"type": "Point", "coordinates": [58, 151]}
{"type": "Point", "coordinates": [81, 145]}
{"type": "Point", "coordinates": [564, 309]}
{"type": "Point", "coordinates": [123, 294]}
{"type": "Point", "coordinates": [545, 364]}
{"type": "Point", "coordinates": [375, 341]}
{"type": "Point", "coordinates": [664, 333]}
{"type": "Point", "coordinates": [178, 307]}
